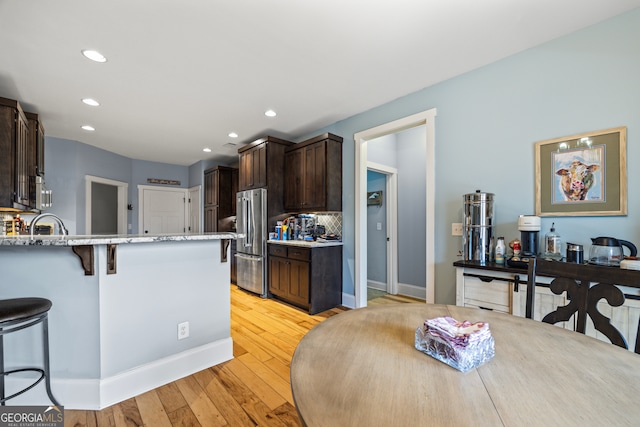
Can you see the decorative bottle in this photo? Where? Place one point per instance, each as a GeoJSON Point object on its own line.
{"type": "Point", "coordinates": [552, 244]}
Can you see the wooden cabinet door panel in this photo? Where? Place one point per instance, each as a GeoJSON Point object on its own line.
{"type": "Point", "coordinates": [293, 180]}
{"type": "Point", "coordinates": [259, 166]}
{"type": "Point", "coordinates": [210, 219]}
{"type": "Point", "coordinates": [245, 178]}
{"type": "Point", "coordinates": [315, 185]}
{"type": "Point", "coordinates": [299, 282]}
{"type": "Point", "coordinates": [211, 188]}
{"type": "Point", "coordinates": [253, 168]}
{"type": "Point", "coordinates": [279, 276]}
{"type": "Point", "coordinates": [7, 155]}
{"type": "Point", "coordinates": [22, 161]}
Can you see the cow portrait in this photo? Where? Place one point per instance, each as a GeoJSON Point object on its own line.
{"type": "Point", "coordinates": [576, 180]}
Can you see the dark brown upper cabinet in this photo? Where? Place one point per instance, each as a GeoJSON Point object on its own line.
{"type": "Point", "coordinates": [261, 163]}
{"type": "Point", "coordinates": [313, 175]}
{"type": "Point", "coordinates": [17, 158]}
{"type": "Point", "coordinates": [219, 197]}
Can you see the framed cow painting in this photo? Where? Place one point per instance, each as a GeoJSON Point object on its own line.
{"type": "Point", "coordinates": [582, 175]}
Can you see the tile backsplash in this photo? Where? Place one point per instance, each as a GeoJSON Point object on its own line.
{"type": "Point", "coordinates": [332, 222]}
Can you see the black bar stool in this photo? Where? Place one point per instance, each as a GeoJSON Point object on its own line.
{"type": "Point", "coordinates": [17, 314]}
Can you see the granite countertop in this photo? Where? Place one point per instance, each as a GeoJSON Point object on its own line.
{"type": "Point", "coordinates": [79, 240]}
{"type": "Point", "coordinates": [307, 244]}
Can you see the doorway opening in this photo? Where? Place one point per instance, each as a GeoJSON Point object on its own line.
{"type": "Point", "coordinates": [106, 206]}
{"type": "Point", "coordinates": [426, 119]}
{"type": "Point", "coordinates": [382, 229]}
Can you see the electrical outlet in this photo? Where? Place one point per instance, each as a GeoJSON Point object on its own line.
{"type": "Point", "coordinates": [183, 330]}
{"type": "Point", "coordinates": [456, 229]}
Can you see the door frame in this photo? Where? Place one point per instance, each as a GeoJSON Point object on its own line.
{"type": "Point", "coordinates": [391, 191]}
{"type": "Point", "coordinates": [427, 119]}
{"type": "Point", "coordinates": [195, 221]}
{"type": "Point", "coordinates": [123, 191]}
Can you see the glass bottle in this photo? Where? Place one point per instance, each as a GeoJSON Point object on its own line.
{"type": "Point", "coordinates": [552, 244]}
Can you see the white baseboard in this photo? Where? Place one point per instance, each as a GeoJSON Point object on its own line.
{"type": "Point", "coordinates": [373, 284]}
{"type": "Point", "coordinates": [348, 300]}
{"type": "Point", "coordinates": [412, 291]}
{"type": "Point", "coordinates": [94, 394]}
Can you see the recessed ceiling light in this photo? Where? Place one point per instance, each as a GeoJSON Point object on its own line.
{"type": "Point", "coordinates": [206, 150]}
{"type": "Point", "coordinates": [94, 55]}
{"type": "Point", "coordinates": [270, 113]}
{"type": "Point", "coordinates": [90, 101]}
{"type": "Point", "coordinates": [88, 128]}
{"type": "Point", "coordinates": [233, 135]}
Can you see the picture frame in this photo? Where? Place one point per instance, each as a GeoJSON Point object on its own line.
{"type": "Point", "coordinates": [582, 175]}
{"type": "Point", "coordinates": [374, 198]}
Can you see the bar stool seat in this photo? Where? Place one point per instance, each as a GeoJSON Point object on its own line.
{"type": "Point", "coordinates": [17, 314]}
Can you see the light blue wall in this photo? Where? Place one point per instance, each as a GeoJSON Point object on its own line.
{"type": "Point", "coordinates": [66, 164]}
{"type": "Point", "coordinates": [383, 150]}
{"type": "Point", "coordinates": [412, 202]}
{"type": "Point", "coordinates": [488, 121]}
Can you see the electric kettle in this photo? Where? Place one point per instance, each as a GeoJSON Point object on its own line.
{"type": "Point", "coordinates": [608, 251]}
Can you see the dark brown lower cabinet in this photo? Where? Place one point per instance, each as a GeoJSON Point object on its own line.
{"type": "Point", "coordinates": [309, 278]}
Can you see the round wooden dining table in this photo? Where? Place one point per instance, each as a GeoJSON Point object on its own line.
{"type": "Point", "coordinates": [361, 368]}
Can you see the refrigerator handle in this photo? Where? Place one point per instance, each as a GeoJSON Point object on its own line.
{"type": "Point", "coordinates": [248, 226]}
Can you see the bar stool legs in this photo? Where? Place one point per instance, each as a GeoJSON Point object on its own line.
{"type": "Point", "coordinates": [17, 314]}
{"type": "Point", "coordinates": [45, 346]}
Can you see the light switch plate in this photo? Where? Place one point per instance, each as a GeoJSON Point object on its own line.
{"type": "Point", "coordinates": [456, 229]}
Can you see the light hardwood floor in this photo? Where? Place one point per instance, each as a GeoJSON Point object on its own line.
{"type": "Point", "coordinates": [252, 389]}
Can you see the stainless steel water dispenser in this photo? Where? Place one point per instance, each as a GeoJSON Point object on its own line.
{"type": "Point", "coordinates": [477, 226]}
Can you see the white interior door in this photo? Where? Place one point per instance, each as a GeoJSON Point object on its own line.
{"type": "Point", "coordinates": [162, 210]}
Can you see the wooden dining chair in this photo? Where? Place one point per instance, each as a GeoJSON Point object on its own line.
{"type": "Point", "coordinates": [585, 285]}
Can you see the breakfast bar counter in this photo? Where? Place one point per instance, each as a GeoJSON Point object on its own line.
{"type": "Point", "coordinates": [117, 303]}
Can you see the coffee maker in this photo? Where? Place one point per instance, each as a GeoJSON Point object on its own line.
{"type": "Point", "coordinates": [529, 226]}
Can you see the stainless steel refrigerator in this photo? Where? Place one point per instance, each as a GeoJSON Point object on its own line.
{"type": "Point", "coordinates": [251, 222]}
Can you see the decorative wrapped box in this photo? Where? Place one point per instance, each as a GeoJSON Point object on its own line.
{"type": "Point", "coordinates": [461, 345]}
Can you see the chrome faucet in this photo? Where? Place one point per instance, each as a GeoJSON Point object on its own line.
{"type": "Point", "coordinates": [57, 219]}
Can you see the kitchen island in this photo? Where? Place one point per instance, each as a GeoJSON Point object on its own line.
{"type": "Point", "coordinates": [117, 303]}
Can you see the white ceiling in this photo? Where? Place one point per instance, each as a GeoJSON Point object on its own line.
{"type": "Point", "coordinates": [182, 74]}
